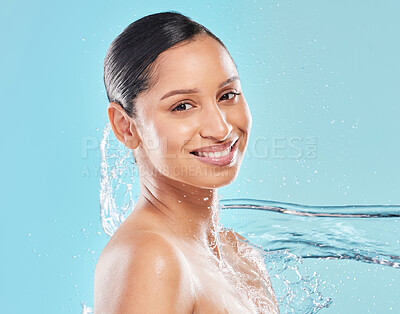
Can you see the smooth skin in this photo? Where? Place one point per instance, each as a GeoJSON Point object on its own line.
{"type": "Point", "coordinates": [166, 257]}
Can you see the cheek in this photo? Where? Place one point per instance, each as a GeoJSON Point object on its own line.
{"type": "Point", "coordinates": [150, 137]}
{"type": "Point", "coordinates": [248, 121]}
{"type": "Point", "coordinates": [242, 118]}
{"type": "Point", "coordinates": [175, 134]}
{"type": "Point", "coordinates": [248, 118]}
{"type": "Point", "coordinates": [242, 121]}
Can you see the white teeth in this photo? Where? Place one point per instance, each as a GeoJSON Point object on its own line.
{"type": "Point", "coordinates": [215, 154]}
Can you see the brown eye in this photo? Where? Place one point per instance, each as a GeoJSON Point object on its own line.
{"type": "Point", "coordinates": [181, 107]}
{"type": "Point", "coordinates": [227, 97]}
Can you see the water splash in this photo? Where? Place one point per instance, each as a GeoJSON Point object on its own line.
{"type": "Point", "coordinates": [304, 232]}
{"type": "Point", "coordinates": [325, 232]}
{"type": "Point", "coordinates": [343, 211]}
{"type": "Point", "coordinates": [291, 233]}
{"type": "Point", "coordinates": [116, 182]}
{"type": "Point", "coordinates": [297, 292]}
{"type": "Point", "coordinates": [86, 309]}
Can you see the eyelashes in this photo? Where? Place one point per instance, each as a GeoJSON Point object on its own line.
{"type": "Point", "coordinates": [234, 93]}
{"type": "Point", "coordinates": [182, 104]}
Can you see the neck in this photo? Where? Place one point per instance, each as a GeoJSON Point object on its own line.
{"type": "Point", "coordinates": [189, 212]}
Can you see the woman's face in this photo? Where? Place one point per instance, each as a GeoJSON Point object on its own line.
{"type": "Point", "coordinates": [196, 102]}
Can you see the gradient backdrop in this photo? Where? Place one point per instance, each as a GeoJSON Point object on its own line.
{"type": "Point", "coordinates": [322, 76]}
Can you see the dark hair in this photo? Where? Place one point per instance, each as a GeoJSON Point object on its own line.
{"type": "Point", "coordinates": [128, 63]}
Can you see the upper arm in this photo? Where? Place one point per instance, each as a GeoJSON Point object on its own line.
{"type": "Point", "coordinates": [148, 275]}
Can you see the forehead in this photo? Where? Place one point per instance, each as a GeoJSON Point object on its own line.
{"type": "Point", "coordinates": [201, 64]}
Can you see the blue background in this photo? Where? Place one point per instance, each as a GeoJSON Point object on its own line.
{"type": "Point", "coordinates": [320, 71]}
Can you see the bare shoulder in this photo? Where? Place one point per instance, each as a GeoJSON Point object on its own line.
{"type": "Point", "coordinates": [242, 245]}
{"type": "Point", "coordinates": [142, 273]}
{"type": "Point", "coordinates": [252, 256]}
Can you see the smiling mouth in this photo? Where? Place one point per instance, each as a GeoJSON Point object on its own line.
{"type": "Point", "coordinates": [214, 151]}
{"type": "Point", "coordinates": [217, 157]}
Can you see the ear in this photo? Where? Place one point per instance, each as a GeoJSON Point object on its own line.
{"type": "Point", "coordinates": [123, 126]}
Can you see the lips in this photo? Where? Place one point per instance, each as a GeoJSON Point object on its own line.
{"type": "Point", "coordinates": [216, 156]}
{"type": "Point", "coordinates": [214, 148]}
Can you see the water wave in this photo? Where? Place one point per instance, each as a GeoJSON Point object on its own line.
{"type": "Point", "coordinates": [342, 211]}
{"type": "Point", "coordinates": [365, 233]}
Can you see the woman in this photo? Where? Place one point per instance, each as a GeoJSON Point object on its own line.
{"type": "Point", "coordinates": [176, 101]}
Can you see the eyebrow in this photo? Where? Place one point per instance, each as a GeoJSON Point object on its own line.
{"type": "Point", "coordinates": [191, 91]}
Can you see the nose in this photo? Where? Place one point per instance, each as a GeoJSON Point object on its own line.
{"type": "Point", "coordinates": [214, 123]}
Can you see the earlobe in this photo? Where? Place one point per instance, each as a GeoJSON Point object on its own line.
{"type": "Point", "coordinates": [122, 126]}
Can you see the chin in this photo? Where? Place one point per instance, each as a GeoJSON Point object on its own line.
{"type": "Point", "coordinates": [210, 177]}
